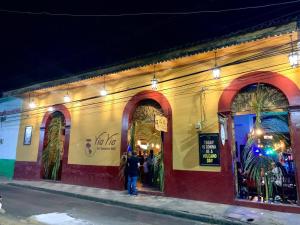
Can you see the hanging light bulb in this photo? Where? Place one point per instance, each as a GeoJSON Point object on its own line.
{"type": "Point", "coordinates": [216, 70]}
{"type": "Point", "coordinates": [154, 81]}
{"type": "Point", "coordinates": [293, 56]}
{"type": "Point", "coordinates": [32, 104]}
{"type": "Point", "coordinates": [50, 109]}
{"type": "Point", "coordinates": [67, 98]}
{"type": "Point", "coordinates": [103, 91]}
{"type": "Point", "coordinates": [293, 59]}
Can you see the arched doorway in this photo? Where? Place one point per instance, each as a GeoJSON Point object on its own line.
{"type": "Point", "coordinates": [262, 139]}
{"type": "Point", "coordinates": [54, 143]}
{"type": "Point", "coordinates": [138, 131]}
{"type": "Point", "coordinates": [264, 159]}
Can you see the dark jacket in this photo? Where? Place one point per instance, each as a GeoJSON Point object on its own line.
{"type": "Point", "coordinates": [133, 166]}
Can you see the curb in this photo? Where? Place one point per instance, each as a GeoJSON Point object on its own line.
{"type": "Point", "coordinates": [185, 215]}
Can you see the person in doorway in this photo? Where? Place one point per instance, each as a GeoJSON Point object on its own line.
{"type": "Point", "coordinates": [141, 168]}
{"type": "Point", "coordinates": [133, 172]}
{"type": "Point", "coordinates": [277, 181]}
{"type": "Point", "coordinates": [242, 182]}
{"type": "Point", "coordinates": [150, 165]}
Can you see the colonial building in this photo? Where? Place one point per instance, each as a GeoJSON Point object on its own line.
{"type": "Point", "coordinates": [222, 118]}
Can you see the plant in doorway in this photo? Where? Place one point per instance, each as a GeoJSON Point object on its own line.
{"type": "Point", "coordinates": [52, 153]}
{"type": "Point", "coordinates": [159, 170]}
{"type": "Point", "coordinates": [258, 157]}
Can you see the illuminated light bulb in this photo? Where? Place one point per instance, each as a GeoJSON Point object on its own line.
{"type": "Point", "coordinates": [103, 92]}
{"type": "Point", "coordinates": [139, 142]}
{"type": "Point", "coordinates": [50, 109]}
{"type": "Point", "coordinates": [154, 83]}
{"type": "Point", "coordinates": [258, 131]}
{"type": "Point", "coordinates": [216, 73]}
{"type": "Point", "coordinates": [157, 146]}
{"type": "Point", "coordinates": [152, 145]}
{"type": "Point", "coordinates": [282, 144]}
{"type": "Point", "coordinates": [32, 105]}
{"type": "Point", "coordinates": [293, 59]}
{"type": "Point", "coordinates": [67, 98]}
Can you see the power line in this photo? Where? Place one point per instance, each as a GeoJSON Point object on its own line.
{"type": "Point", "coordinates": [47, 13]}
{"type": "Point", "coordinates": [277, 50]}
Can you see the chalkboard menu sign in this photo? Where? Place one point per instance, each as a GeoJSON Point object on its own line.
{"type": "Point", "coordinates": [209, 149]}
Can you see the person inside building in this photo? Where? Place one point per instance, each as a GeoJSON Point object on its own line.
{"type": "Point", "coordinates": [277, 181]}
{"type": "Point", "coordinates": [141, 161]}
{"type": "Point", "coordinates": [133, 172]}
{"type": "Point", "coordinates": [242, 182]}
{"type": "Point", "coordinates": [150, 165]}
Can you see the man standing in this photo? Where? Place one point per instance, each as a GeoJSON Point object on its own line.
{"type": "Point", "coordinates": [133, 172]}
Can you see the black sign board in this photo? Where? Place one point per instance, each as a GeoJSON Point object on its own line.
{"type": "Point", "coordinates": [209, 149]}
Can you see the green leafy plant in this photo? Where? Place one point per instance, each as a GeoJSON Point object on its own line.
{"type": "Point", "coordinates": [159, 169]}
{"type": "Point", "coordinates": [52, 153]}
{"type": "Point", "coordinates": [258, 166]}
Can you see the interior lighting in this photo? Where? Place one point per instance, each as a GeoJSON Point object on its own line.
{"type": "Point", "coordinates": [103, 91]}
{"type": "Point", "coordinates": [157, 146]}
{"type": "Point", "coordinates": [293, 56]}
{"type": "Point", "coordinates": [258, 131]}
{"type": "Point", "coordinates": [144, 147]}
{"type": "Point", "coordinates": [154, 82]}
{"type": "Point", "coordinates": [216, 70]}
{"type": "Point", "coordinates": [268, 137]}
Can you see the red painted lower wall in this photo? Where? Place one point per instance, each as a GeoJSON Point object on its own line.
{"type": "Point", "coordinates": [27, 170]}
{"type": "Point", "coordinates": [94, 176]}
{"type": "Point", "coordinates": [203, 186]}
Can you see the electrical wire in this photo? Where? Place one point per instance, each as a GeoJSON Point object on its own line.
{"type": "Point", "coordinates": [126, 98]}
{"type": "Point", "coordinates": [187, 75]}
{"type": "Point", "coordinates": [46, 13]}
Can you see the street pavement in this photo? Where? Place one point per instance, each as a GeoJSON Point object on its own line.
{"type": "Point", "coordinates": [28, 206]}
{"type": "Point", "coordinates": [212, 213]}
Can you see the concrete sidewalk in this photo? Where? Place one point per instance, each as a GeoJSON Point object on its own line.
{"type": "Point", "coordinates": [195, 210]}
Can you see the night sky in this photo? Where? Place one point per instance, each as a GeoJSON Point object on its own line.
{"type": "Point", "coordinates": [37, 48]}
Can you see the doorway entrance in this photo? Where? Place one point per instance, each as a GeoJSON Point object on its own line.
{"type": "Point", "coordinates": [264, 158]}
{"type": "Point", "coordinates": [147, 142]}
{"type": "Point", "coordinates": [53, 146]}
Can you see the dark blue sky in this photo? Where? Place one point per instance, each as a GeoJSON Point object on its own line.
{"type": "Point", "coordinates": [37, 48]}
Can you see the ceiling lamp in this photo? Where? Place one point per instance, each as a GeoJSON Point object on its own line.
{"type": "Point", "coordinates": [154, 82]}
{"type": "Point", "coordinates": [293, 56]}
{"type": "Point", "coordinates": [216, 70]}
{"type": "Point", "coordinates": [103, 91]}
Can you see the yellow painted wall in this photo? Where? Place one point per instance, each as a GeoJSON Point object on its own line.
{"type": "Point", "coordinates": [104, 114]}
